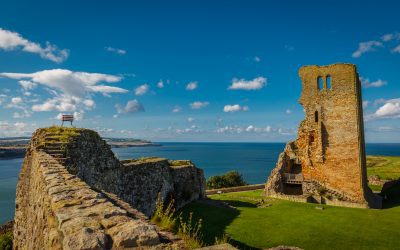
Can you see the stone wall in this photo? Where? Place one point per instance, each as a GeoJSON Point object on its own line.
{"type": "Point", "coordinates": [56, 210]}
{"type": "Point", "coordinates": [330, 148]}
{"type": "Point", "coordinates": [73, 193]}
{"type": "Point", "coordinates": [137, 181]}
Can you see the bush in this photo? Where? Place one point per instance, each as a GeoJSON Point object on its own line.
{"type": "Point", "coordinates": [6, 241]}
{"type": "Point", "coordinates": [230, 179]}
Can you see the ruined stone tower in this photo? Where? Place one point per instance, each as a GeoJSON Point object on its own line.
{"type": "Point", "coordinates": [326, 163]}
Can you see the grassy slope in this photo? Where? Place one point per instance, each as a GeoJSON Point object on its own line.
{"type": "Point", "coordinates": [300, 224]}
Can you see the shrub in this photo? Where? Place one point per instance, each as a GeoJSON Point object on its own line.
{"type": "Point", "coordinates": [6, 241]}
{"type": "Point", "coordinates": [230, 179]}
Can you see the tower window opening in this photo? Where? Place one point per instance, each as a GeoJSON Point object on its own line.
{"type": "Point", "coordinates": [316, 116]}
{"type": "Point", "coordinates": [328, 82]}
{"type": "Point", "coordinates": [320, 83]}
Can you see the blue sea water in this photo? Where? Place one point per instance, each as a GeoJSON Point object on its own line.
{"type": "Point", "coordinates": [254, 160]}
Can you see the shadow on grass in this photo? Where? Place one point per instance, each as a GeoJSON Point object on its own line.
{"type": "Point", "coordinates": [215, 220]}
{"type": "Point", "coordinates": [392, 197]}
{"type": "Point", "coordinates": [236, 203]}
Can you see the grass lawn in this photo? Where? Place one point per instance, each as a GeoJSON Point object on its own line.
{"type": "Point", "coordinates": [384, 166]}
{"type": "Point", "coordinates": [298, 224]}
{"type": "Point", "coordinates": [253, 225]}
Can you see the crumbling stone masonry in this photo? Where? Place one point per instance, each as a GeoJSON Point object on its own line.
{"type": "Point", "coordinates": [326, 163]}
{"type": "Point", "coordinates": [73, 193]}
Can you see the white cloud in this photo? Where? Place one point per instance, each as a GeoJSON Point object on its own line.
{"type": "Point", "coordinates": [15, 129]}
{"type": "Point", "coordinates": [234, 129]}
{"type": "Point", "coordinates": [70, 82]}
{"type": "Point", "coordinates": [27, 85]}
{"type": "Point", "coordinates": [177, 109]}
{"type": "Point", "coordinates": [390, 37]}
{"type": "Point", "coordinates": [71, 90]}
{"type": "Point", "coordinates": [365, 47]}
{"type": "Point", "coordinates": [199, 105]}
{"type": "Point", "coordinates": [115, 50]}
{"type": "Point", "coordinates": [366, 83]}
{"type": "Point", "coordinates": [391, 109]}
{"type": "Point", "coordinates": [160, 84]}
{"type": "Point", "coordinates": [16, 100]}
{"type": "Point", "coordinates": [10, 40]}
{"type": "Point", "coordinates": [257, 59]}
{"type": "Point", "coordinates": [142, 89]}
{"type": "Point", "coordinates": [396, 49]}
{"type": "Point", "coordinates": [235, 108]}
{"type": "Point", "coordinates": [288, 111]}
{"type": "Point", "coordinates": [365, 104]}
{"type": "Point", "coordinates": [190, 119]}
{"type": "Point", "coordinates": [255, 84]}
{"type": "Point", "coordinates": [191, 86]}
{"type": "Point", "coordinates": [379, 101]}
{"type": "Point", "coordinates": [132, 106]}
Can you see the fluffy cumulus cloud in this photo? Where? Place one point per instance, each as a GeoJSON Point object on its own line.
{"type": "Point", "coordinates": [366, 83]}
{"type": "Point", "coordinates": [132, 106]}
{"type": "Point", "coordinates": [142, 89]}
{"type": "Point", "coordinates": [391, 109]}
{"type": "Point", "coordinates": [235, 108]}
{"type": "Point", "coordinates": [191, 86]}
{"type": "Point", "coordinates": [255, 84]}
{"type": "Point", "coordinates": [10, 40]}
{"type": "Point", "coordinates": [199, 105]}
{"type": "Point", "coordinates": [71, 91]}
{"type": "Point", "coordinates": [257, 59]}
{"type": "Point", "coordinates": [70, 82]}
{"type": "Point", "coordinates": [115, 50]}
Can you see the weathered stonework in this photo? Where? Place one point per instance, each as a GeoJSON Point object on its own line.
{"type": "Point", "coordinates": [73, 193]}
{"type": "Point", "coordinates": [328, 157]}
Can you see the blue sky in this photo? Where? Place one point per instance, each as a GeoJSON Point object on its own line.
{"type": "Point", "coordinates": [191, 70]}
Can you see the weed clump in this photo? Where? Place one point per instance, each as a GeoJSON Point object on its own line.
{"type": "Point", "coordinates": [165, 218]}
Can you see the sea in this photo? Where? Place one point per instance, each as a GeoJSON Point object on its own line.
{"type": "Point", "coordinates": [253, 160]}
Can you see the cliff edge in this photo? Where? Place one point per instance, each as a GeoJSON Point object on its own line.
{"type": "Point", "coordinates": [73, 193]}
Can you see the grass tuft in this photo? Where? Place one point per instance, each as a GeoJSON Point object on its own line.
{"type": "Point", "coordinates": [190, 233]}
{"type": "Point", "coordinates": [164, 218]}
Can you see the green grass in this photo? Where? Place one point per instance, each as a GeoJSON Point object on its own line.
{"type": "Point", "coordinates": [386, 167]}
{"type": "Point", "coordinates": [280, 222]}
{"type": "Point", "coordinates": [6, 241]}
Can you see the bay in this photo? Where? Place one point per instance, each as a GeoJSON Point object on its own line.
{"type": "Point", "coordinates": [253, 160]}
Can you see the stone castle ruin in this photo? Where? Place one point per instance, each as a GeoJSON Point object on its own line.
{"type": "Point", "coordinates": [326, 163]}
{"type": "Point", "coordinates": [73, 193]}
